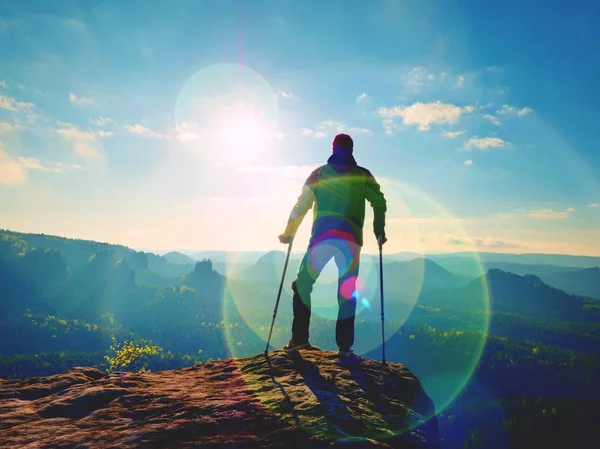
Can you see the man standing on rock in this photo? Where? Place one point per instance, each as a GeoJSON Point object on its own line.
{"type": "Point", "coordinates": [338, 190]}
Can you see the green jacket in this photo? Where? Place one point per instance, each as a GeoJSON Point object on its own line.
{"type": "Point", "coordinates": [338, 190]}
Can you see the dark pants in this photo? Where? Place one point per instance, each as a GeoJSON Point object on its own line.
{"type": "Point", "coordinates": [346, 256]}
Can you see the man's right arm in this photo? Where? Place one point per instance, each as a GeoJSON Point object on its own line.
{"type": "Point", "coordinates": [378, 203]}
{"type": "Point", "coordinates": [303, 204]}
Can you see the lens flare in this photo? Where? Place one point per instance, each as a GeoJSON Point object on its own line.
{"type": "Point", "coordinates": [440, 337]}
{"type": "Point", "coordinates": [227, 113]}
{"type": "Point", "coordinates": [351, 288]}
{"type": "Point", "coordinates": [441, 349]}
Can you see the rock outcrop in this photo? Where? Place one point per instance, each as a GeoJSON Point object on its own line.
{"type": "Point", "coordinates": [304, 400]}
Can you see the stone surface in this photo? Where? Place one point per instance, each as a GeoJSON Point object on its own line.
{"type": "Point", "coordinates": [307, 399]}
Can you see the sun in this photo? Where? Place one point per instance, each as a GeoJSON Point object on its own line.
{"type": "Point", "coordinates": [243, 132]}
{"type": "Point", "coordinates": [228, 114]}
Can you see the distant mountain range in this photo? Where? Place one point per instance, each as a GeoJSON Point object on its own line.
{"type": "Point", "coordinates": [531, 259]}
{"type": "Point", "coordinates": [428, 274]}
{"type": "Point", "coordinates": [574, 274]}
{"type": "Point", "coordinates": [515, 294]}
{"type": "Point", "coordinates": [179, 258]}
{"type": "Point", "coordinates": [84, 280]}
{"type": "Point", "coordinates": [584, 282]}
{"type": "Point", "coordinates": [269, 268]}
{"type": "Point", "coordinates": [431, 275]}
{"type": "Point", "coordinates": [407, 279]}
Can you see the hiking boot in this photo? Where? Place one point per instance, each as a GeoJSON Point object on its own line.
{"type": "Point", "coordinates": [293, 346]}
{"type": "Point", "coordinates": [346, 352]}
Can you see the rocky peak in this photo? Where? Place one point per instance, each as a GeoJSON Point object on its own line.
{"type": "Point", "coordinates": [309, 399]}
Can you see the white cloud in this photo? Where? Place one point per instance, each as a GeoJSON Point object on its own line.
{"type": "Point", "coordinates": [492, 118]}
{"type": "Point", "coordinates": [143, 131]}
{"type": "Point", "coordinates": [416, 78]}
{"type": "Point", "coordinates": [12, 174]}
{"type": "Point", "coordinates": [509, 110]}
{"type": "Point", "coordinates": [26, 119]}
{"type": "Point", "coordinates": [594, 205]}
{"type": "Point", "coordinates": [389, 126]}
{"type": "Point", "coordinates": [525, 111]}
{"type": "Point", "coordinates": [286, 94]}
{"type": "Point", "coordinates": [81, 101]}
{"type": "Point", "coordinates": [313, 133]}
{"type": "Point", "coordinates": [354, 131]}
{"type": "Point", "coordinates": [74, 24]}
{"type": "Point", "coordinates": [188, 131]}
{"type": "Point", "coordinates": [361, 97]}
{"type": "Point", "coordinates": [468, 162]}
{"type": "Point", "coordinates": [3, 85]}
{"type": "Point", "coordinates": [419, 78]}
{"type": "Point", "coordinates": [549, 214]}
{"type": "Point", "coordinates": [72, 132]}
{"type": "Point", "coordinates": [425, 114]}
{"type": "Point", "coordinates": [138, 129]}
{"type": "Point", "coordinates": [491, 242]}
{"type": "Point", "coordinates": [453, 135]}
{"type": "Point", "coordinates": [10, 104]}
{"type": "Point", "coordinates": [84, 142]}
{"type": "Point", "coordinates": [87, 151]}
{"type": "Point", "coordinates": [103, 121]}
{"type": "Point", "coordinates": [5, 128]}
{"type": "Point", "coordinates": [103, 133]}
{"type": "Point", "coordinates": [506, 109]}
{"type": "Point", "coordinates": [31, 163]}
{"type": "Point", "coordinates": [539, 213]}
{"type": "Point", "coordinates": [332, 124]}
{"type": "Point", "coordinates": [435, 220]}
{"type": "Point", "coordinates": [485, 242]}
{"type": "Point", "coordinates": [485, 143]}
{"type": "Point", "coordinates": [13, 171]}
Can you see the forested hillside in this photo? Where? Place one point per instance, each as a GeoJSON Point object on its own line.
{"type": "Point", "coordinates": [509, 359]}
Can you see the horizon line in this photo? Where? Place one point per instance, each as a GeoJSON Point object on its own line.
{"type": "Point", "coordinates": [183, 251]}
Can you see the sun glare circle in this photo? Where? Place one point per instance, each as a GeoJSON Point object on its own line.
{"type": "Point", "coordinates": [418, 220]}
{"type": "Point", "coordinates": [227, 113]}
{"type": "Point", "coordinates": [242, 132]}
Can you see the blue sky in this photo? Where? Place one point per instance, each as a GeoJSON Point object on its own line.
{"type": "Point", "coordinates": [193, 124]}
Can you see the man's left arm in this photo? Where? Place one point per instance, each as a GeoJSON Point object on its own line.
{"type": "Point", "coordinates": [379, 204]}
